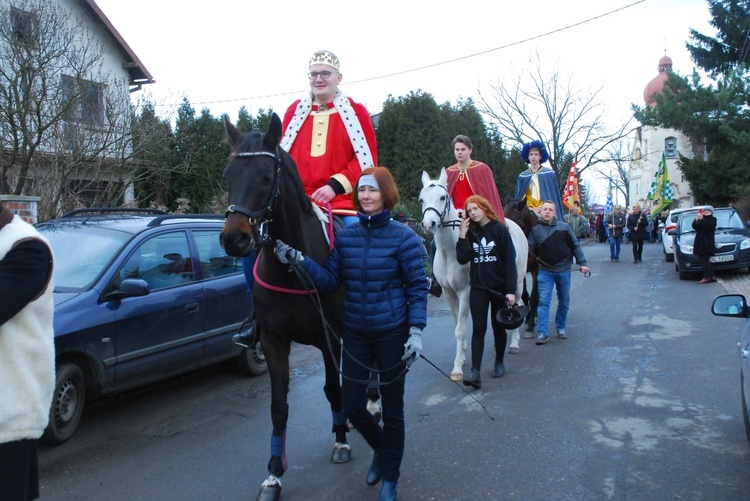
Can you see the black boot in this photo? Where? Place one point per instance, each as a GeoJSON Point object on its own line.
{"type": "Point", "coordinates": [376, 471]}
{"type": "Point", "coordinates": [387, 491]}
{"type": "Point", "coordinates": [499, 370]}
{"type": "Point", "coordinates": [474, 380]}
{"type": "Point", "coordinates": [248, 335]}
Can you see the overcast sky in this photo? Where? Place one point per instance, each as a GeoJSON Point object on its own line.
{"type": "Point", "coordinates": [229, 53]}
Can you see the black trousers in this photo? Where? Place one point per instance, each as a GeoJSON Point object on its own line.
{"type": "Point", "coordinates": [708, 270]}
{"type": "Point", "coordinates": [479, 301]}
{"type": "Point", "coordinates": [19, 471]}
{"type": "Point", "coordinates": [637, 250]}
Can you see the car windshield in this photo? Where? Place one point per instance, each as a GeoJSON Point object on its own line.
{"type": "Point", "coordinates": [81, 253]}
{"type": "Point", "coordinates": [725, 220]}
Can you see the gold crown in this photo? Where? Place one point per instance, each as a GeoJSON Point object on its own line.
{"type": "Point", "coordinates": [325, 57]}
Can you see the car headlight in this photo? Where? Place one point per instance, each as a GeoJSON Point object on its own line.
{"type": "Point", "coordinates": [745, 244]}
{"type": "Point", "coordinates": [686, 248]}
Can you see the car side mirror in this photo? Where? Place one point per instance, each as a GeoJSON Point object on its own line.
{"type": "Point", "coordinates": [672, 233]}
{"type": "Point", "coordinates": [730, 305]}
{"type": "Point", "coordinates": [130, 287]}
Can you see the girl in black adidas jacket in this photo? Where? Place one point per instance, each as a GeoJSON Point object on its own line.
{"type": "Point", "coordinates": [485, 242]}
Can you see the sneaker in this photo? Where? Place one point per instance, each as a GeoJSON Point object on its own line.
{"type": "Point", "coordinates": [617, 260]}
{"type": "Point", "coordinates": [541, 339]}
{"type": "Point", "coordinates": [561, 334]}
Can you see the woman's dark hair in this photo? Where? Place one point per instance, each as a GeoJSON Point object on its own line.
{"type": "Point", "coordinates": [388, 188]}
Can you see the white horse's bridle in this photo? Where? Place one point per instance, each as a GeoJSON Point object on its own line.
{"type": "Point", "coordinates": [443, 224]}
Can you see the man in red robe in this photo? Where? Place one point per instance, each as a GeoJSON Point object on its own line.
{"type": "Point", "coordinates": [466, 178]}
{"type": "Point", "coordinates": [332, 140]}
{"type": "Point", "coordinates": [470, 177]}
{"type": "Point", "coordinates": [329, 136]}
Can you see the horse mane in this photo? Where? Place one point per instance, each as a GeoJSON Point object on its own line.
{"type": "Point", "coordinates": [289, 168]}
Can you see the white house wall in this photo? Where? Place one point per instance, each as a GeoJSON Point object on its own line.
{"type": "Point", "coordinates": [643, 167]}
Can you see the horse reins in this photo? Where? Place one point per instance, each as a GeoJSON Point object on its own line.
{"type": "Point", "coordinates": [306, 281]}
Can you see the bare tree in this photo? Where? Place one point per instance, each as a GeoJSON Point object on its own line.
{"type": "Point", "coordinates": [618, 168]}
{"type": "Point", "coordinates": [65, 121]}
{"type": "Point", "coordinates": [538, 105]}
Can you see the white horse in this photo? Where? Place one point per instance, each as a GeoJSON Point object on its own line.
{"type": "Point", "coordinates": [439, 218]}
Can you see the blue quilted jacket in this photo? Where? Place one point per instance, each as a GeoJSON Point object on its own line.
{"type": "Point", "coordinates": [379, 262]}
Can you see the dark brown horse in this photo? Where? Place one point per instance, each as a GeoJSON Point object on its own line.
{"type": "Point", "coordinates": [518, 212]}
{"type": "Point", "coordinates": [267, 202]}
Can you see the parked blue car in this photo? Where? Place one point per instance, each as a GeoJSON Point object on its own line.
{"type": "Point", "coordinates": [735, 305]}
{"type": "Point", "coordinates": [140, 296]}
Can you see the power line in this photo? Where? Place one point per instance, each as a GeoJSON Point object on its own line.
{"type": "Point", "coordinates": [420, 68]}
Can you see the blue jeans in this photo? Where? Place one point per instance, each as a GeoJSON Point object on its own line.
{"type": "Point", "coordinates": [547, 280]}
{"type": "Point", "coordinates": [248, 262]}
{"type": "Point", "coordinates": [384, 350]}
{"type": "Point", "coordinates": [614, 247]}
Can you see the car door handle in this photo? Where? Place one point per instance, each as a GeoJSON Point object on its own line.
{"type": "Point", "coordinates": [744, 353]}
{"type": "Point", "coordinates": [192, 307]}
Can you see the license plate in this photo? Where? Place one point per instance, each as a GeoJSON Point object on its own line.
{"type": "Point", "coordinates": [721, 259]}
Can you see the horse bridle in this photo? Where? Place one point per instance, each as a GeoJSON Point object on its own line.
{"type": "Point", "coordinates": [266, 213]}
{"type": "Point", "coordinates": [443, 224]}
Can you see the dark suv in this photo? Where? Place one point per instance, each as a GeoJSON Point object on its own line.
{"type": "Point", "coordinates": [140, 296]}
{"type": "Point", "coordinates": [732, 243]}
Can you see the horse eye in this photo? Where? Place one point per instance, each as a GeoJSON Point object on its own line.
{"type": "Point", "coordinates": [421, 201]}
{"type": "Point", "coordinates": [442, 199]}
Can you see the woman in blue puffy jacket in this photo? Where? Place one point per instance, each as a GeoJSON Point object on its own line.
{"type": "Point", "coordinates": [379, 263]}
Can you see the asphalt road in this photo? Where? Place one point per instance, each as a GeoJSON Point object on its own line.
{"type": "Point", "coordinates": [641, 402]}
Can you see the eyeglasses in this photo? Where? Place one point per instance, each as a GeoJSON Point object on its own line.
{"type": "Point", "coordinates": [314, 74]}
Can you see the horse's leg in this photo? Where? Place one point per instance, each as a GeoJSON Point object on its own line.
{"type": "Point", "coordinates": [527, 293]}
{"type": "Point", "coordinates": [277, 358]}
{"type": "Point", "coordinates": [373, 397]}
{"type": "Point", "coordinates": [515, 335]}
{"type": "Point", "coordinates": [461, 344]}
{"type": "Point", "coordinates": [341, 451]}
{"type": "Point", "coordinates": [533, 304]}
{"type": "Point", "coordinates": [457, 373]}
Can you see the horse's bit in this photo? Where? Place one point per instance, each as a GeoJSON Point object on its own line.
{"type": "Point", "coordinates": [443, 224]}
{"type": "Point", "coordinates": [262, 236]}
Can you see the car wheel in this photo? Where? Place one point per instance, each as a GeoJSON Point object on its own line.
{"type": "Point", "coordinates": [67, 404]}
{"type": "Point", "coordinates": [745, 416]}
{"type": "Point", "coordinates": [684, 275]}
{"type": "Point", "coordinates": [253, 361]}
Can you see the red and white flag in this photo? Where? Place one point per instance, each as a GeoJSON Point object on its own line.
{"type": "Point", "coordinates": [571, 193]}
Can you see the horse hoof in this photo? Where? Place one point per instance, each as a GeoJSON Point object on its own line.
{"type": "Point", "coordinates": [528, 334]}
{"type": "Point", "coordinates": [269, 493]}
{"type": "Point", "coordinates": [457, 376]}
{"type": "Point", "coordinates": [341, 454]}
{"type": "Point", "coordinates": [513, 350]}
